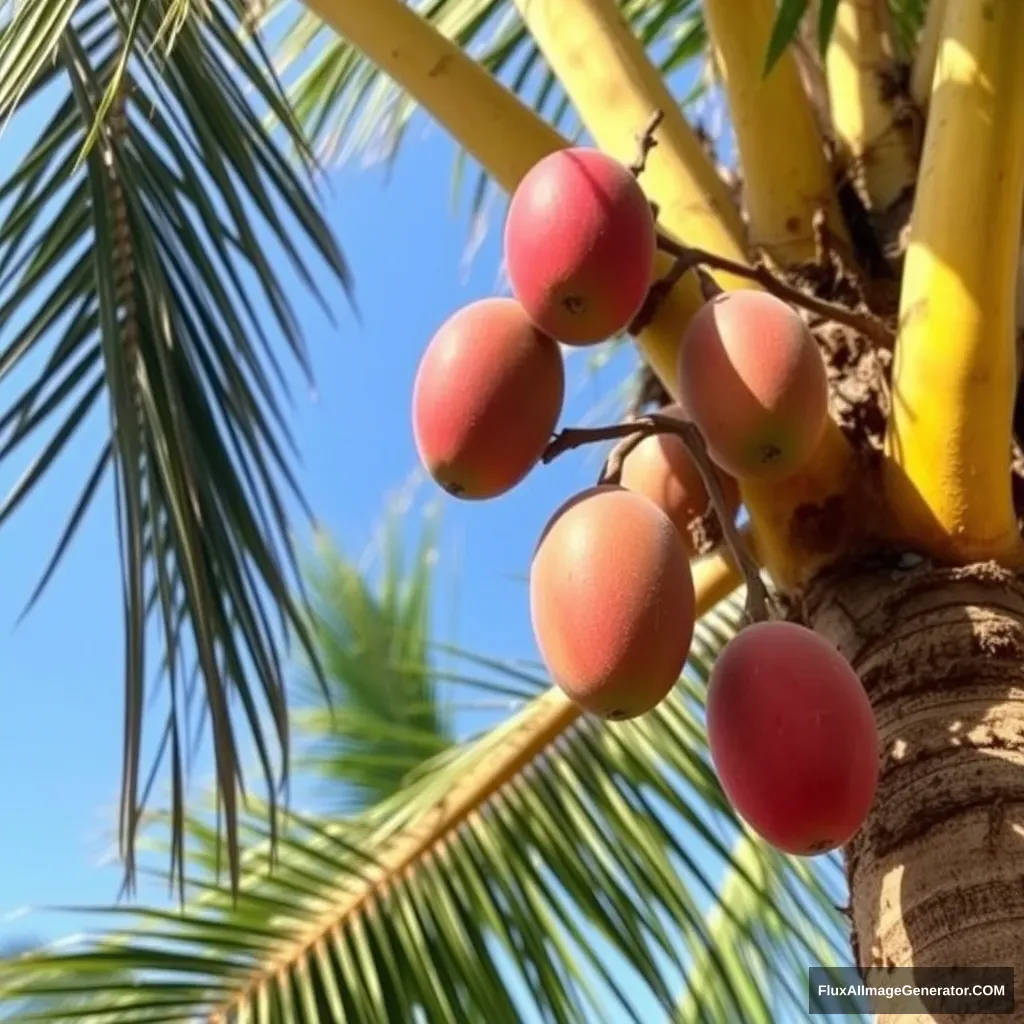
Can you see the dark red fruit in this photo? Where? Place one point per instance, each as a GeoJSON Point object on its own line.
{"type": "Point", "coordinates": [792, 737]}
{"type": "Point", "coordinates": [580, 245]}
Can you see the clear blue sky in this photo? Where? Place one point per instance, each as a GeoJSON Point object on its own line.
{"type": "Point", "coordinates": [61, 668]}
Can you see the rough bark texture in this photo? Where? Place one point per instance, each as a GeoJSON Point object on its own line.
{"type": "Point", "coordinates": [937, 873]}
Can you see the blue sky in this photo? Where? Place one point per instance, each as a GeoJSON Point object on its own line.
{"type": "Point", "coordinates": [60, 736]}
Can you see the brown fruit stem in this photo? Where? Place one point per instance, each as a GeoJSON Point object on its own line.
{"type": "Point", "coordinates": [758, 602]}
{"type": "Point", "coordinates": [935, 875]}
{"type": "Point", "coordinates": [645, 142]}
{"type": "Point", "coordinates": [688, 258]}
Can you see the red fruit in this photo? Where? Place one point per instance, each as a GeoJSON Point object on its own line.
{"type": "Point", "coordinates": [792, 737]}
{"type": "Point", "coordinates": [752, 378]}
{"type": "Point", "coordinates": [487, 397]}
{"type": "Point", "coordinates": [661, 468]}
{"type": "Point", "coordinates": [612, 602]}
{"type": "Point", "coordinates": [580, 245]}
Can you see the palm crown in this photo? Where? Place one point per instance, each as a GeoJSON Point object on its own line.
{"type": "Point", "coordinates": [131, 259]}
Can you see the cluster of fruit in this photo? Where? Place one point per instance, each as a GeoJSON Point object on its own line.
{"type": "Point", "coordinates": [791, 732]}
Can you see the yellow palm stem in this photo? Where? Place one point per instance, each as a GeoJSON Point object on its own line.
{"type": "Point", "coordinates": [502, 133]}
{"type": "Point", "coordinates": [923, 72]}
{"type": "Point", "coordinates": [859, 64]}
{"type": "Point", "coordinates": [954, 375]}
{"type": "Point", "coordinates": [786, 177]}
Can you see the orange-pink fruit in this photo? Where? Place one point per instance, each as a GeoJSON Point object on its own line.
{"type": "Point", "coordinates": [752, 378]}
{"type": "Point", "coordinates": [487, 397]}
{"type": "Point", "coordinates": [612, 602]}
{"type": "Point", "coordinates": [580, 243]}
{"type": "Point", "coordinates": [661, 468]}
{"type": "Point", "coordinates": [793, 737]}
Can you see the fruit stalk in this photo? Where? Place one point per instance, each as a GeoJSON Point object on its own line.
{"type": "Point", "coordinates": [631, 433]}
{"type": "Point", "coordinates": [864, 322]}
{"type": "Point", "coordinates": [758, 604]}
{"type": "Point", "coordinates": [859, 64]}
{"type": "Point", "coordinates": [786, 177]}
{"type": "Point", "coordinates": [947, 475]}
{"type": "Point", "coordinates": [922, 74]}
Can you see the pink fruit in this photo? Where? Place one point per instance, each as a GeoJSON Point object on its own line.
{"type": "Point", "coordinates": [792, 737]}
{"type": "Point", "coordinates": [487, 397]}
{"type": "Point", "coordinates": [580, 245]}
{"type": "Point", "coordinates": [612, 602]}
{"type": "Point", "coordinates": [661, 468]}
{"type": "Point", "coordinates": [752, 378]}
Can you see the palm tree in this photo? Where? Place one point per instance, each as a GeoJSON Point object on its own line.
{"type": "Point", "coordinates": [881, 174]}
{"type": "Point", "coordinates": [605, 879]}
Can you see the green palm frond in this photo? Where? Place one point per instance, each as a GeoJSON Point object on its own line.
{"type": "Point", "coordinates": [907, 20]}
{"type": "Point", "coordinates": [383, 716]}
{"type": "Point", "coordinates": [349, 108]}
{"type": "Point", "coordinates": [559, 864]}
{"type": "Point", "coordinates": [141, 282]}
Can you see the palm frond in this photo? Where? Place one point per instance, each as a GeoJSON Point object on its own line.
{"type": "Point", "coordinates": [138, 283]}
{"type": "Point", "coordinates": [561, 864]}
{"type": "Point", "coordinates": [383, 716]}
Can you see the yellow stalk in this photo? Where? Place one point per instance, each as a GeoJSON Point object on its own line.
{"type": "Point", "coordinates": [503, 134]}
{"type": "Point", "coordinates": [524, 739]}
{"type": "Point", "coordinates": [786, 177]}
{"type": "Point", "coordinates": [614, 86]}
{"type": "Point", "coordinates": [954, 374]}
{"type": "Point", "coordinates": [878, 144]}
{"type": "Point", "coordinates": [715, 577]}
{"type": "Point", "coordinates": [811, 65]}
{"type": "Point", "coordinates": [922, 74]}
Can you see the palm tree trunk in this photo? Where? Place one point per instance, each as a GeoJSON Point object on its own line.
{"type": "Point", "coordinates": [936, 874]}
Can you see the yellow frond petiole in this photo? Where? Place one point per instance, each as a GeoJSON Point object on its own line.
{"type": "Point", "coordinates": [878, 144]}
{"type": "Point", "coordinates": [786, 177]}
{"type": "Point", "coordinates": [947, 475]}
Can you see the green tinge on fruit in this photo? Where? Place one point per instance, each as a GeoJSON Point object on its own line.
{"type": "Point", "coordinates": [752, 378]}
{"type": "Point", "coordinates": [612, 602]}
{"type": "Point", "coordinates": [487, 398]}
